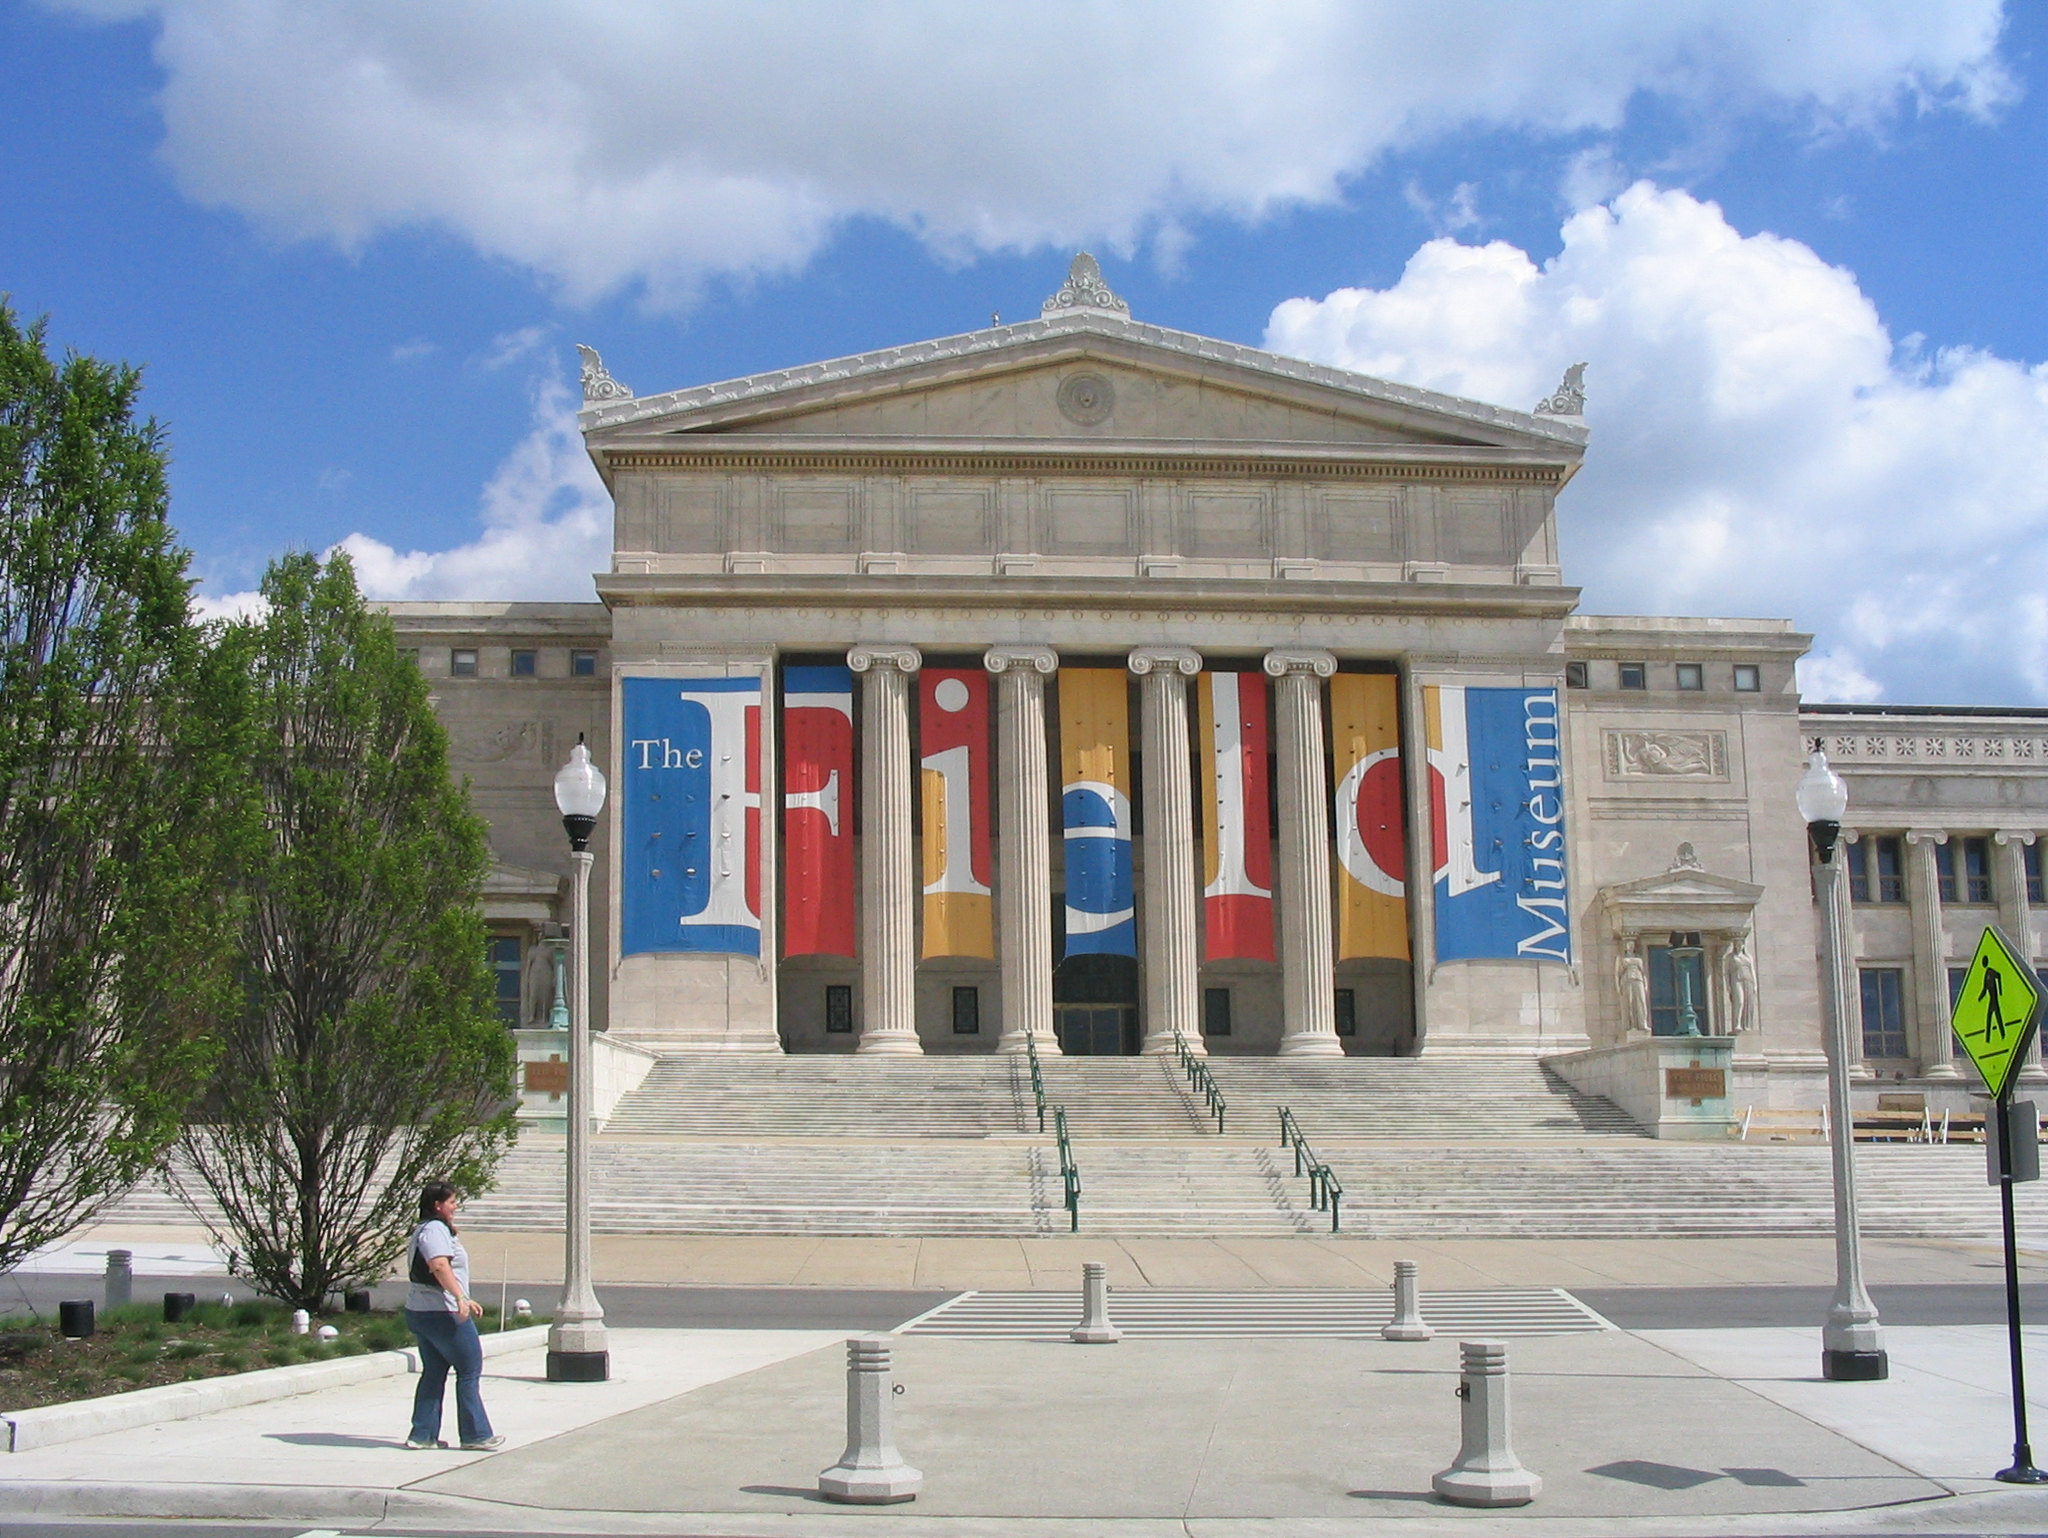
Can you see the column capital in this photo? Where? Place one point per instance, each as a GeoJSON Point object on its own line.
{"type": "Point", "coordinates": [1172, 659]}
{"type": "Point", "coordinates": [1004, 659]}
{"type": "Point", "coordinates": [2013, 836]}
{"type": "Point", "coordinates": [1927, 835]}
{"type": "Point", "coordinates": [882, 654]}
{"type": "Point", "coordinates": [1280, 663]}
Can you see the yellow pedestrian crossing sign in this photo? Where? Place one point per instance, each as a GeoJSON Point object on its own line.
{"type": "Point", "coordinates": [1994, 1012]}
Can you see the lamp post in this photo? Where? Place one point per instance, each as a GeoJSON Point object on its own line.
{"type": "Point", "coordinates": [1852, 1346]}
{"type": "Point", "coordinates": [577, 1349]}
{"type": "Point", "coordinates": [1685, 950]}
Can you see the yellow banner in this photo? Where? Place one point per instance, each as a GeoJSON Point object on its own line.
{"type": "Point", "coordinates": [1095, 727]}
{"type": "Point", "coordinates": [1372, 851]}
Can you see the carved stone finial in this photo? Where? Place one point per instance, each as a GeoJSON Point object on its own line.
{"type": "Point", "coordinates": [1570, 399]}
{"type": "Point", "coordinates": [1688, 858]}
{"type": "Point", "coordinates": [1085, 290]}
{"type": "Point", "coordinates": [597, 384]}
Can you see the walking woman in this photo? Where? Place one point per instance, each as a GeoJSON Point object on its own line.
{"type": "Point", "coordinates": [442, 1317]}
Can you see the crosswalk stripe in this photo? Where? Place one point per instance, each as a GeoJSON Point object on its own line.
{"type": "Point", "coordinates": [1182, 1314]}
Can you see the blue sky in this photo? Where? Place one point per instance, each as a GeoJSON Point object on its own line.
{"type": "Point", "coordinates": [1804, 247]}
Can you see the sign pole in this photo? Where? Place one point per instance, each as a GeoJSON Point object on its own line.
{"type": "Point", "coordinates": [2022, 1471]}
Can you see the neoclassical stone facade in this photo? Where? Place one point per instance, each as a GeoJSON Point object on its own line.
{"type": "Point", "coordinates": [1098, 685]}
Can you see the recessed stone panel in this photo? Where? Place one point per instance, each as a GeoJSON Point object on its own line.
{"type": "Point", "coordinates": [1092, 521]}
{"type": "Point", "coordinates": [692, 518]}
{"type": "Point", "coordinates": [950, 520]}
{"type": "Point", "coordinates": [1358, 525]}
{"type": "Point", "coordinates": [1471, 529]}
{"type": "Point", "coordinates": [1226, 523]}
{"type": "Point", "coordinates": [817, 517]}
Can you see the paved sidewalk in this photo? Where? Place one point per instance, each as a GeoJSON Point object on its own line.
{"type": "Point", "coordinates": [723, 1432]}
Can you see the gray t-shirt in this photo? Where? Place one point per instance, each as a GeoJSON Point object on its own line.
{"type": "Point", "coordinates": [433, 1240]}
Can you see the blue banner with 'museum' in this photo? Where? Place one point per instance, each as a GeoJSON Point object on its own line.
{"type": "Point", "coordinates": [1497, 824]}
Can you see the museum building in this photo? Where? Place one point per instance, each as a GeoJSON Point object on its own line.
{"type": "Point", "coordinates": [1101, 686]}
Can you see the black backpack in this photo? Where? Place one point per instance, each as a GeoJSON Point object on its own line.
{"type": "Point", "coordinates": [420, 1275]}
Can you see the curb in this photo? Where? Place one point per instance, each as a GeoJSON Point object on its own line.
{"type": "Point", "coordinates": [47, 1425]}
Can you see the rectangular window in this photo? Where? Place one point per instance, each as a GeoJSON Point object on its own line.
{"type": "Point", "coordinates": [966, 1011]}
{"type": "Point", "coordinates": [1347, 1012]}
{"type": "Point", "coordinates": [1634, 675]}
{"type": "Point", "coordinates": [1215, 1011]}
{"type": "Point", "coordinates": [2030, 862]}
{"type": "Point", "coordinates": [1692, 677]}
{"type": "Point", "coordinates": [506, 968]}
{"type": "Point", "coordinates": [525, 664]}
{"type": "Point", "coordinates": [1884, 1011]}
{"type": "Point", "coordinates": [462, 663]}
{"type": "Point", "coordinates": [1962, 870]}
{"type": "Point", "coordinates": [839, 1009]}
{"type": "Point", "coordinates": [1575, 675]}
{"type": "Point", "coordinates": [582, 664]}
{"type": "Point", "coordinates": [1955, 985]}
{"type": "Point", "coordinates": [1678, 988]}
{"type": "Point", "coordinates": [1877, 866]}
{"type": "Point", "coordinates": [1749, 678]}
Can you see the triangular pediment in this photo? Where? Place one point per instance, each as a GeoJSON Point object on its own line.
{"type": "Point", "coordinates": [1085, 379]}
{"type": "Point", "coordinates": [1683, 897]}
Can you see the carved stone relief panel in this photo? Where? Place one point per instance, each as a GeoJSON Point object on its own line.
{"type": "Point", "coordinates": [480, 745]}
{"type": "Point", "coordinates": [1633, 754]}
{"type": "Point", "coordinates": [1088, 521]}
{"type": "Point", "coordinates": [951, 520]}
{"type": "Point", "coordinates": [1225, 523]}
{"type": "Point", "coordinates": [1360, 525]}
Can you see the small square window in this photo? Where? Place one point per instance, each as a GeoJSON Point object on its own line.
{"type": "Point", "coordinates": [1634, 676]}
{"type": "Point", "coordinates": [462, 663]}
{"type": "Point", "coordinates": [1215, 1011]}
{"type": "Point", "coordinates": [1692, 677]}
{"type": "Point", "coordinates": [1347, 1012]}
{"type": "Point", "coordinates": [839, 1009]}
{"type": "Point", "coordinates": [1575, 675]}
{"type": "Point", "coordinates": [525, 664]}
{"type": "Point", "coordinates": [583, 664]}
{"type": "Point", "coordinates": [1749, 679]}
{"type": "Point", "coordinates": [966, 1011]}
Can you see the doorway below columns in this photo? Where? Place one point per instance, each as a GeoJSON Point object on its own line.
{"type": "Point", "coordinates": [1095, 1006]}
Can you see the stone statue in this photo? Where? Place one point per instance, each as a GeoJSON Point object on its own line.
{"type": "Point", "coordinates": [1738, 970]}
{"type": "Point", "coordinates": [1632, 981]}
{"type": "Point", "coordinates": [536, 987]}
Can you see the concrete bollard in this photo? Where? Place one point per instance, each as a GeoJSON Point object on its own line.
{"type": "Point", "coordinates": [1095, 1328]}
{"type": "Point", "coordinates": [870, 1472]}
{"type": "Point", "coordinates": [301, 1321]}
{"type": "Point", "coordinates": [1407, 1321]}
{"type": "Point", "coordinates": [522, 1309]}
{"type": "Point", "coordinates": [120, 1278]}
{"type": "Point", "coordinates": [1486, 1472]}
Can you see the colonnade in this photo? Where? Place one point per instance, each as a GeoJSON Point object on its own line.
{"type": "Point", "coordinates": [1023, 894]}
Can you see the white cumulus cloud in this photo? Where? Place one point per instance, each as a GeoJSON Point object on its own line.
{"type": "Point", "coordinates": [547, 525]}
{"type": "Point", "coordinates": [1760, 444]}
{"type": "Point", "coordinates": [655, 142]}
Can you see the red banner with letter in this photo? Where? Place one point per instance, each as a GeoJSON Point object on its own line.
{"type": "Point", "coordinates": [1237, 835]}
{"type": "Point", "coordinates": [817, 811]}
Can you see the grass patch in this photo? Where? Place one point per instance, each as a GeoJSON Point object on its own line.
{"type": "Point", "coordinates": [133, 1348]}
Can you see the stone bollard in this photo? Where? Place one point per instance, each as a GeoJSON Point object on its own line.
{"type": "Point", "coordinates": [120, 1279]}
{"type": "Point", "coordinates": [1095, 1328]}
{"type": "Point", "coordinates": [1407, 1321]}
{"type": "Point", "coordinates": [1486, 1472]}
{"type": "Point", "coordinates": [870, 1472]}
{"type": "Point", "coordinates": [522, 1309]}
{"type": "Point", "coordinates": [301, 1321]}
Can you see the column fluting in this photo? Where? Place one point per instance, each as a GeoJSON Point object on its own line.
{"type": "Point", "coordinates": [1307, 973]}
{"type": "Point", "coordinates": [2016, 913]}
{"type": "Point", "coordinates": [1169, 929]}
{"type": "Point", "coordinates": [888, 885]}
{"type": "Point", "coordinates": [1023, 847]}
{"type": "Point", "coordinates": [1930, 955]}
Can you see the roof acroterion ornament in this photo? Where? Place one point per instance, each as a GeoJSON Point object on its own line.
{"type": "Point", "coordinates": [1084, 290]}
{"type": "Point", "coordinates": [598, 385]}
{"type": "Point", "coordinates": [1570, 399]}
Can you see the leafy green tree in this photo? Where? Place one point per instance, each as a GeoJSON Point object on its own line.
{"type": "Point", "coordinates": [110, 929]}
{"type": "Point", "coordinates": [363, 1055]}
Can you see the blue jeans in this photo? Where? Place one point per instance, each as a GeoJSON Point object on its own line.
{"type": "Point", "coordinates": [446, 1341]}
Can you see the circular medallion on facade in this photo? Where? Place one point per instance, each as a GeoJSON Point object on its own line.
{"type": "Point", "coordinates": [1086, 399]}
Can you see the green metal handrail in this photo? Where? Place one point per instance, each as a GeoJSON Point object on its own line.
{"type": "Point", "coordinates": [1070, 1172]}
{"type": "Point", "coordinates": [1325, 1190]}
{"type": "Point", "coordinates": [1203, 1080]}
{"type": "Point", "coordinates": [1037, 1079]}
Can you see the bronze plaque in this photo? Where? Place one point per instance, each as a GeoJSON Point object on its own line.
{"type": "Point", "coordinates": [1695, 1083]}
{"type": "Point", "coordinates": [549, 1078]}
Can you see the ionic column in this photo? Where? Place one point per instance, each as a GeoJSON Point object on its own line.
{"type": "Point", "coordinates": [1307, 975]}
{"type": "Point", "coordinates": [2015, 913]}
{"type": "Point", "coordinates": [1170, 993]}
{"type": "Point", "coordinates": [1930, 954]}
{"type": "Point", "coordinates": [888, 883]}
{"type": "Point", "coordinates": [1024, 849]}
